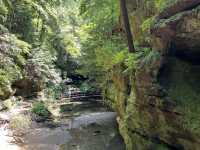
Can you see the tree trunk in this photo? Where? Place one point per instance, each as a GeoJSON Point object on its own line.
{"type": "Point", "coordinates": [125, 18]}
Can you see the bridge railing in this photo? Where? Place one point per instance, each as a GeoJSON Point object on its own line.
{"type": "Point", "coordinates": [79, 95]}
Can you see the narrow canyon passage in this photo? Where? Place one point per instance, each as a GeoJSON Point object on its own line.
{"type": "Point", "coordinates": [99, 74]}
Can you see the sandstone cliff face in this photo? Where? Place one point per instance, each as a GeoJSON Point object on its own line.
{"type": "Point", "coordinates": [159, 104]}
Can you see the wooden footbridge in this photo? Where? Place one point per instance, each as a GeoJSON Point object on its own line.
{"type": "Point", "coordinates": [81, 96]}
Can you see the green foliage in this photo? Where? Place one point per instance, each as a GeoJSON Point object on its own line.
{"type": "Point", "coordinates": [130, 63]}
{"type": "Point", "coordinates": [109, 54]}
{"type": "Point", "coordinates": [54, 91]}
{"type": "Point", "coordinates": [40, 109]}
{"type": "Point", "coordinates": [101, 47]}
{"type": "Point", "coordinates": [99, 12]}
{"type": "Point", "coordinates": [151, 57]}
{"type": "Point", "coordinates": [147, 24]}
{"type": "Point", "coordinates": [41, 61]}
{"type": "Point", "coordinates": [162, 4]}
{"type": "Point", "coordinates": [87, 87]}
{"type": "Point", "coordinates": [38, 39]}
{"type": "Point", "coordinates": [13, 53]}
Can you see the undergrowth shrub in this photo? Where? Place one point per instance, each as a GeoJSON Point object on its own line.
{"type": "Point", "coordinates": [20, 123]}
{"type": "Point", "coordinates": [54, 90]}
{"type": "Point", "coordinates": [40, 109]}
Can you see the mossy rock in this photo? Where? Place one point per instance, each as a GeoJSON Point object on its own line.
{"type": "Point", "coordinates": [10, 103]}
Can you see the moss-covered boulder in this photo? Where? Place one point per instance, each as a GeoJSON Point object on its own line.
{"type": "Point", "coordinates": [5, 92]}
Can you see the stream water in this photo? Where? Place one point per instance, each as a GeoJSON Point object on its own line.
{"type": "Point", "coordinates": [94, 129]}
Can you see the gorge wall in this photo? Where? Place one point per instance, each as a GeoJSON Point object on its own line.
{"type": "Point", "coordinates": [158, 104]}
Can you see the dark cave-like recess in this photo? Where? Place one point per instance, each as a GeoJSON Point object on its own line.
{"type": "Point", "coordinates": [180, 74]}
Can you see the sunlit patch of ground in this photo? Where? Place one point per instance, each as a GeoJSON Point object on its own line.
{"type": "Point", "coordinates": [6, 140]}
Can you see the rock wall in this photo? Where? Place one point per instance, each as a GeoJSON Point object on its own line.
{"type": "Point", "coordinates": [159, 103]}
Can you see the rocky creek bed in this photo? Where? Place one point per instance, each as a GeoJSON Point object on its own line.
{"type": "Point", "coordinates": [85, 129]}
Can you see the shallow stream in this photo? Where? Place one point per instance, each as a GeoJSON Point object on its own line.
{"type": "Point", "coordinates": [92, 130]}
